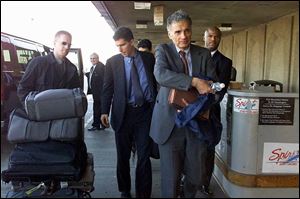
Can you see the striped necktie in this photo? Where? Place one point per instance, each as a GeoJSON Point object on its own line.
{"type": "Point", "coordinates": [184, 61]}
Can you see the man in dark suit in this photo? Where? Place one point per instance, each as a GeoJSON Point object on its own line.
{"type": "Point", "coordinates": [181, 151]}
{"type": "Point", "coordinates": [53, 71]}
{"type": "Point", "coordinates": [95, 84]}
{"type": "Point", "coordinates": [145, 45]}
{"type": "Point", "coordinates": [212, 38]}
{"type": "Point", "coordinates": [130, 86]}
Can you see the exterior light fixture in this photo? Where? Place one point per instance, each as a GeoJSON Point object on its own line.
{"type": "Point", "coordinates": [158, 15]}
{"type": "Point", "coordinates": [225, 27]}
{"type": "Point", "coordinates": [142, 5]}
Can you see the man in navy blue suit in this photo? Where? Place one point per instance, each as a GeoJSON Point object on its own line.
{"type": "Point", "coordinates": [130, 86]}
{"type": "Point", "coordinates": [212, 38]}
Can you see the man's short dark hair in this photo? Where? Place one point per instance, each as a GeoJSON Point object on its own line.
{"type": "Point", "coordinates": [145, 43]}
{"type": "Point", "coordinates": [214, 29]}
{"type": "Point", "coordinates": [123, 33]}
{"type": "Point", "coordinates": [177, 16]}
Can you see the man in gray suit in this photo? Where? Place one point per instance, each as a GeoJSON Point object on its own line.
{"type": "Point", "coordinates": [181, 151]}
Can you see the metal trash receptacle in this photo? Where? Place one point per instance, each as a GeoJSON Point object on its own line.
{"type": "Point", "coordinates": [258, 155]}
{"type": "Point", "coordinates": [266, 85]}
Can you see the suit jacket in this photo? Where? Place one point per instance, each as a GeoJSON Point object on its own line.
{"type": "Point", "coordinates": [96, 82]}
{"type": "Point", "coordinates": [42, 73]}
{"type": "Point", "coordinates": [114, 87]}
{"type": "Point", "coordinates": [223, 69]}
{"type": "Point", "coordinates": [169, 73]}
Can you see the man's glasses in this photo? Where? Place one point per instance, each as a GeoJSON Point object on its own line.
{"type": "Point", "coordinates": [66, 44]}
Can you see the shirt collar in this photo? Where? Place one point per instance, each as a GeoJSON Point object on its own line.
{"type": "Point", "coordinates": [129, 58]}
{"type": "Point", "coordinates": [213, 52]}
{"type": "Point", "coordinates": [135, 54]}
{"type": "Point", "coordinates": [186, 50]}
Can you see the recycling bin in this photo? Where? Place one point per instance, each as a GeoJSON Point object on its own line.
{"type": "Point", "coordinates": [258, 155]}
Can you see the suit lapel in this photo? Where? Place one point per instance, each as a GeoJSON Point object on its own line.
{"type": "Point", "coordinates": [177, 60]}
{"type": "Point", "coordinates": [217, 61]}
{"type": "Point", "coordinates": [120, 73]}
{"type": "Point", "coordinates": [149, 74]}
{"type": "Point", "coordinates": [217, 56]}
{"type": "Point", "coordinates": [196, 57]}
{"type": "Point", "coordinates": [147, 67]}
{"type": "Point", "coordinates": [94, 71]}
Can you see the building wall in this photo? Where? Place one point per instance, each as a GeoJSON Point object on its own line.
{"type": "Point", "coordinates": [268, 51]}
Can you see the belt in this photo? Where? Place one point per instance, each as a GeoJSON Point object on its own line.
{"type": "Point", "coordinates": [138, 106]}
{"type": "Point", "coordinates": [135, 105]}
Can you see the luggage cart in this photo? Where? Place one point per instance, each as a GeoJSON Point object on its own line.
{"type": "Point", "coordinates": [52, 186]}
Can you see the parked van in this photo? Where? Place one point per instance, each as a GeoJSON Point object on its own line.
{"type": "Point", "coordinates": [16, 52]}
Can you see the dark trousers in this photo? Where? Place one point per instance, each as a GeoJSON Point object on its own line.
{"type": "Point", "coordinates": [136, 125]}
{"type": "Point", "coordinates": [96, 113]}
{"type": "Point", "coordinates": [210, 162]}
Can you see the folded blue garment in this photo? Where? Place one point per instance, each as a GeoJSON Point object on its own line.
{"type": "Point", "coordinates": [210, 130]}
{"type": "Point", "coordinates": [188, 116]}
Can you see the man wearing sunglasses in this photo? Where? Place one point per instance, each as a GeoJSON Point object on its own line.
{"type": "Point", "coordinates": [52, 71]}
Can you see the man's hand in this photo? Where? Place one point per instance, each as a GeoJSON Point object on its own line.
{"type": "Point", "coordinates": [105, 120]}
{"type": "Point", "coordinates": [202, 86]}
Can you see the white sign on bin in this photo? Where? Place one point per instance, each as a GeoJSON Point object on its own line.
{"type": "Point", "coordinates": [280, 158]}
{"type": "Point", "coordinates": [246, 105]}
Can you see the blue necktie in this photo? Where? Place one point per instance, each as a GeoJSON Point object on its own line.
{"type": "Point", "coordinates": [135, 83]}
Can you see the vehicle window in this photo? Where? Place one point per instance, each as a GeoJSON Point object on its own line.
{"type": "Point", "coordinates": [40, 48]}
{"type": "Point", "coordinates": [24, 55]}
{"type": "Point", "coordinates": [16, 53]}
{"type": "Point", "coordinates": [75, 57]}
{"type": "Point", "coordinates": [6, 56]}
{"type": "Point", "coordinates": [10, 64]}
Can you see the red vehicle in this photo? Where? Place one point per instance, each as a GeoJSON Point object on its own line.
{"type": "Point", "coordinates": [16, 52]}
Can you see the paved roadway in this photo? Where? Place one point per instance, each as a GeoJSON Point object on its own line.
{"type": "Point", "coordinates": [102, 145]}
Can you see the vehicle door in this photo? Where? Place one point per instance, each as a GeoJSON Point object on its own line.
{"type": "Point", "coordinates": [75, 56]}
